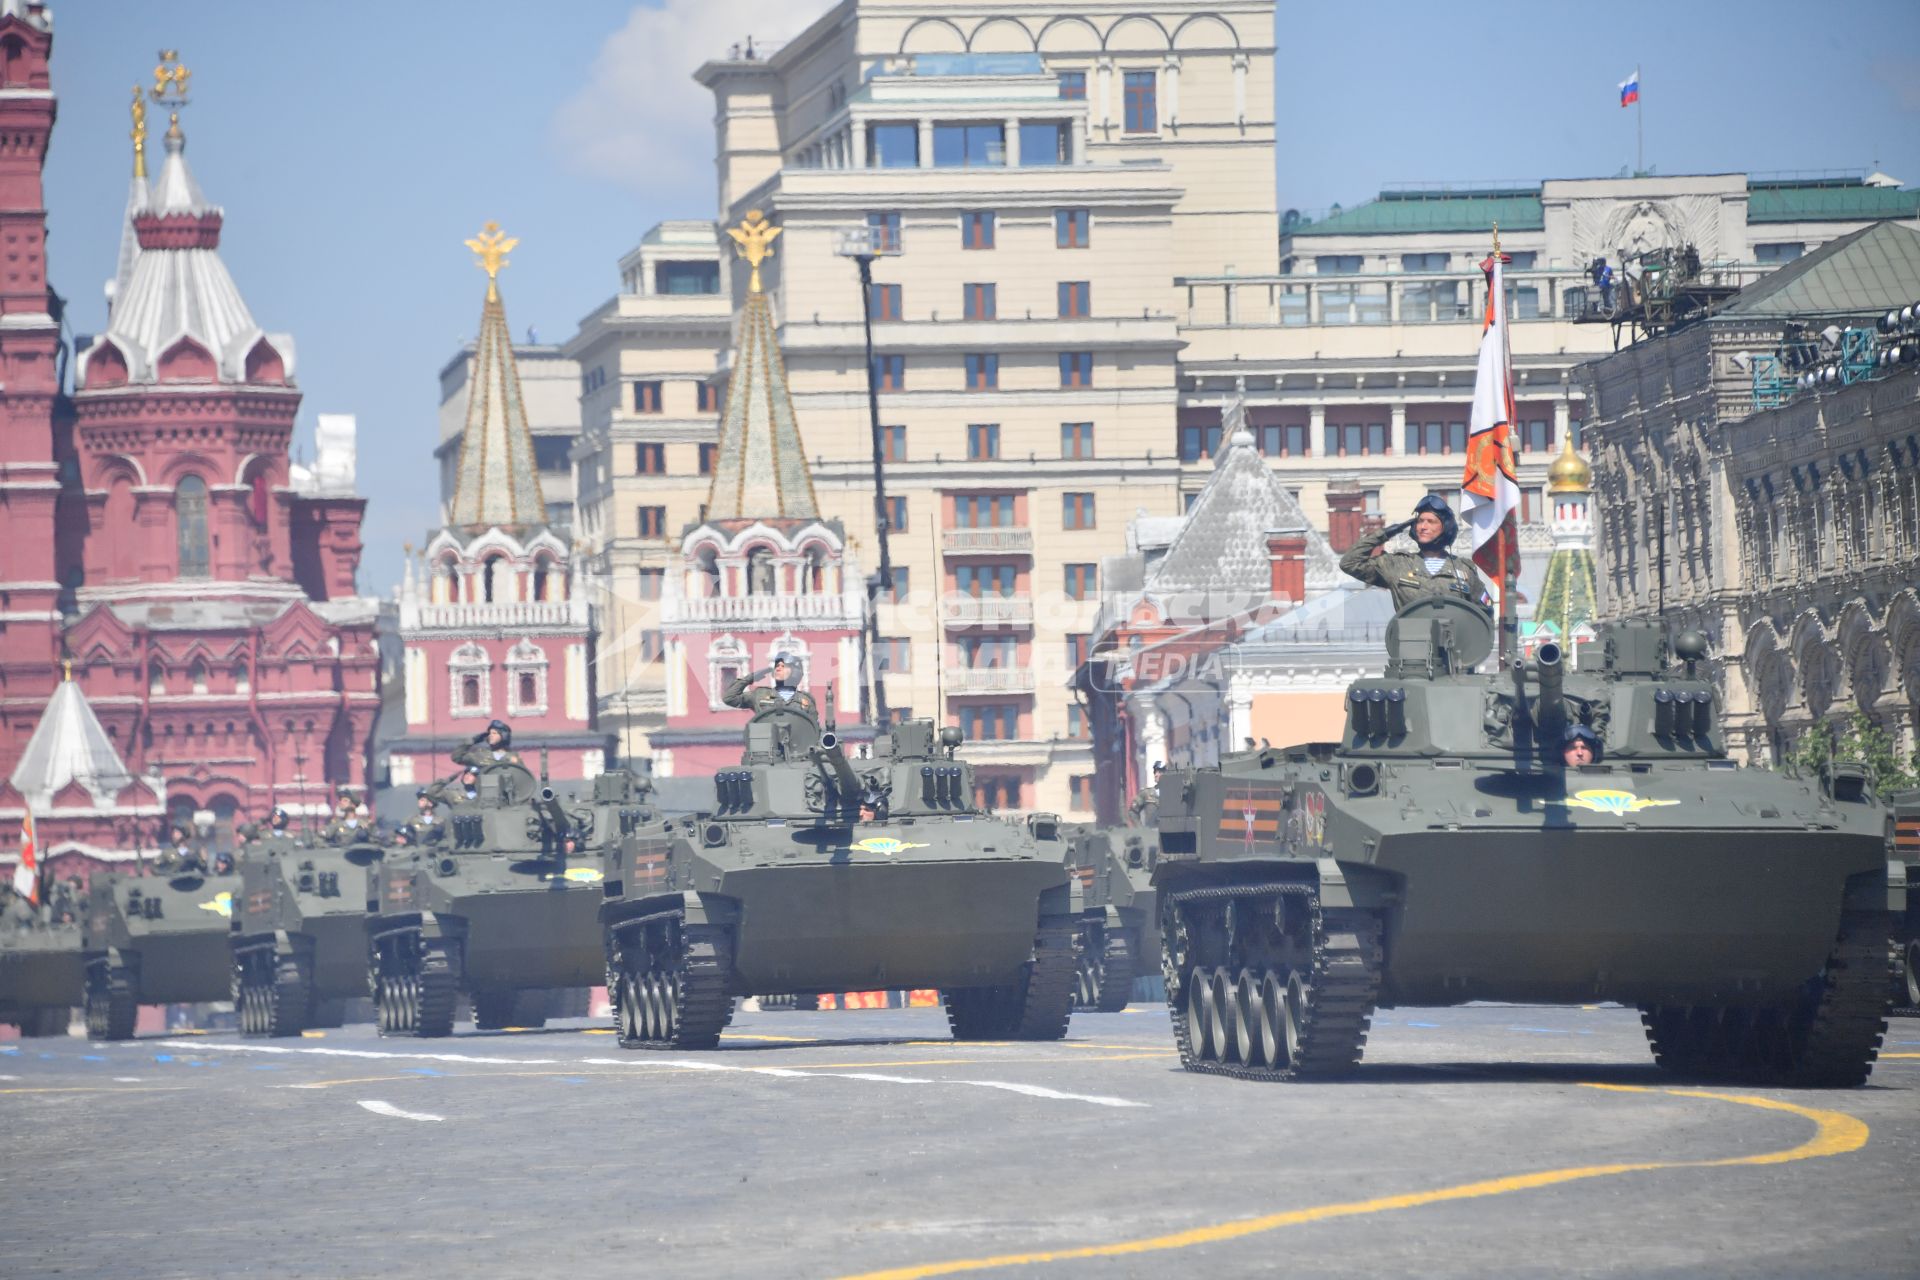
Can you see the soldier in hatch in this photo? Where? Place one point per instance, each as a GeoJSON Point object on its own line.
{"type": "Point", "coordinates": [426, 827]}
{"type": "Point", "coordinates": [492, 748]}
{"type": "Point", "coordinates": [1432, 572]}
{"type": "Point", "coordinates": [784, 692]}
{"type": "Point", "coordinates": [347, 825]}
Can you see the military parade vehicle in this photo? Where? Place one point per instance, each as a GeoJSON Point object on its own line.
{"type": "Point", "coordinates": [300, 932]}
{"type": "Point", "coordinates": [1444, 851]}
{"type": "Point", "coordinates": [504, 909]}
{"type": "Point", "coordinates": [1119, 931]}
{"type": "Point", "coordinates": [41, 974]}
{"type": "Point", "coordinates": [1906, 859]}
{"type": "Point", "coordinates": [155, 939]}
{"type": "Point", "coordinates": [815, 873]}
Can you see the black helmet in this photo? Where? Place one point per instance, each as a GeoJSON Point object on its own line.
{"type": "Point", "coordinates": [1581, 733]}
{"type": "Point", "coordinates": [419, 793]}
{"type": "Point", "coordinates": [506, 731]}
{"type": "Point", "coordinates": [279, 816]}
{"type": "Point", "coordinates": [1449, 524]}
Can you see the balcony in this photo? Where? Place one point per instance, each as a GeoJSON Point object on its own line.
{"type": "Point", "coordinates": [824, 609]}
{"type": "Point", "coordinates": [520, 614]}
{"type": "Point", "coordinates": [987, 611]}
{"type": "Point", "coordinates": [987, 542]}
{"type": "Point", "coordinates": [972, 680]}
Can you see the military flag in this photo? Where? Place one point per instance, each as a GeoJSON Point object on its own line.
{"type": "Point", "coordinates": [26, 872]}
{"type": "Point", "coordinates": [1489, 492]}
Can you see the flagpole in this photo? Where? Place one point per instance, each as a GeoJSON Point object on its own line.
{"type": "Point", "coordinates": [1639, 127]}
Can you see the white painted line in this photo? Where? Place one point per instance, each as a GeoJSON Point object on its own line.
{"type": "Point", "coordinates": [1040, 1091]}
{"type": "Point", "coordinates": [9, 1077]}
{"type": "Point", "coordinates": [358, 1053]}
{"type": "Point", "coordinates": [388, 1109]}
{"type": "Point", "coordinates": [1030, 1090]}
{"type": "Point", "coordinates": [677, 1064]}
{"type": "Point", "coordinates": [126, 1079]}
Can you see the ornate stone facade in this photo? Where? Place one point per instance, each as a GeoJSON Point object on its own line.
{"type": "Point", "coordinates": [1791, 534]}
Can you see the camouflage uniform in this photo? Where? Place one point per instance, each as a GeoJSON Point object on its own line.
{"type": "Point", "coordinates": [1407, 576]}
{"type": "Point", "coordinates": [740, 693]}
{"type": "Point", "coordinates": [478, 755]}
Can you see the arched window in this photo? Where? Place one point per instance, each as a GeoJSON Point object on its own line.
{"type": "Point", "coordinates": [760, 572]}
{"type": "Point", "coordinates": [197, 676]}
{"type": "Point", "coordinates": [190, 519]}
{"type": "Point", "coordinates": [242, 682]}
{"type": "Point", "coordinates": [707, 561]}
{"type": "Point", "coordinates": [542, 579]}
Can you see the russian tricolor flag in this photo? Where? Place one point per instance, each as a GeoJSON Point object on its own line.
{"type": "Point", "coordinates": [1630, 89]}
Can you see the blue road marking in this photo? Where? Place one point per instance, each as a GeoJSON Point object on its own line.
{"type": "Point", "coordinates": [1424, 1025]}
{"type": "Point", "coordinates": [163, 1057]}
{"type": "Point", "coordinates": [573, 1080]}
{"type": "Point", "coordinates": [92, 1057]}
{"type": "Point", "coordinates": [10, 1049]}
{"type": "Point", "coordinates": [424, 1071]}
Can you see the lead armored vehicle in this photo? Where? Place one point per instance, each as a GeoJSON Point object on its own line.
{"type": "Point", "coordinates": [1906, 857]}
{"type": "Point", "coordinates": [785, 889]}
{"type": "Point", "coordinates": [1119, 930]}
{"type": "Point", "coordinates": [300, 933]}
{"type": "Point", "coordinates": [155, 939]}
{"type": "Point", "coordinates": [501, 910]}
{"type": "Point", "coordinates": [41, 975]}
{"type": "Point", "coordinates": [1442, 852]}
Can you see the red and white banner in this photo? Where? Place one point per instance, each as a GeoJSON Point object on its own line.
{"type": "Point", "coordinates": [26, 872]}
{"type": "Point", "coordinates": [1489, 492]}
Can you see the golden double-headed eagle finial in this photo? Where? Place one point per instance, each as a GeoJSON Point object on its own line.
{"type": "Point", "coordinates": [170, 76]}
{"type": "Point", "coordinates": [490, 249]}
{"type": "Point", "coordinates": [754, 239]}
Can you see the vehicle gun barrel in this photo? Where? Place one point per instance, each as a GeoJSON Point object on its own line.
{"type": "Point", "coordinates": [552, 816]}
{"type": "Point", "coordinates": [832, 757]}
{"type": "Point", "coordinates": [1551, 667]}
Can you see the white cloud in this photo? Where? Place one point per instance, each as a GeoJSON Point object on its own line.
{"type": "Point", "coordinates": [639, 119]}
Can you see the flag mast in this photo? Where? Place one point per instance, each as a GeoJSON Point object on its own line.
{"type": "Point", "coordinates": [1501, 549]}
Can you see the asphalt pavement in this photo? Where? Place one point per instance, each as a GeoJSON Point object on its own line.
{"type": "Point", "coordinates": [1486, 1141]}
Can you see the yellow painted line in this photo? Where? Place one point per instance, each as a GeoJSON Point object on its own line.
{"type": "Point", "coordinates": [1900, 1055]}
{"type": "Point", "coordinates": [736, 1035]}
{"type": "Point", "coordinates": [1836, 1133]}
{"type": "Point", "coordinates": [313, 1035]}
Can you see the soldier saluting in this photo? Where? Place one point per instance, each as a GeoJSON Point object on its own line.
{"type": "Point", "coordinates": [490, 748]}
{"type": "Point", "coordinates": [1431, 572]}
{"type": "Point", "coordinates": [785, 671]}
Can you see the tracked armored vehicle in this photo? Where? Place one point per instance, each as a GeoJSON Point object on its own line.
{"type": "Point", "coordinates": [1442, 852]}
{"type": "Point", "coordinates": [42, 977]}
{"type": "Point", "coordinates": [155, 939]}
{"type": "Point", "coordinates": [500, 910]}
{"type": "Point", "coordinates": [1906, 866]}
{"type": "Point", "coordinates": [1119, 931]}
{"type": "Point", "coordinates": [300, 933]}
{"type": "Point", "coordinates": [785, 889]}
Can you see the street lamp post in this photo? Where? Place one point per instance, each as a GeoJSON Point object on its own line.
{"type": "Point", "coordinates": [863, 245]}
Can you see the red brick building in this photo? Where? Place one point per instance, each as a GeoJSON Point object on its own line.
{"type": "Point", "coordinates": [157, 533]}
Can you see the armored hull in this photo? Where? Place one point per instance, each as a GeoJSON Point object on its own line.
{"type": "Point", "coordinates": [786, 890]}
{"type": "Point", "coordinates": [500, 911]}
{"type": "Point", "coordinates": [155, 940]}
{"type": "Point", "coordinates": [1434, 857]}
{"type": "Point", "coordinates": [299, 933]}
{"type": "Point", "coordinates": [42, 975]}
{"type": "Point", "coordinates": [1119, 933]}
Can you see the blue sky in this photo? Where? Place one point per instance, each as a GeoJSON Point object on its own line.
{"type": "Point", "coordinates": [355, 144]}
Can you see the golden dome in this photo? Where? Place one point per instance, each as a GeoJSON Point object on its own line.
{"type": "Point", "coordinates": [1569, 472]}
